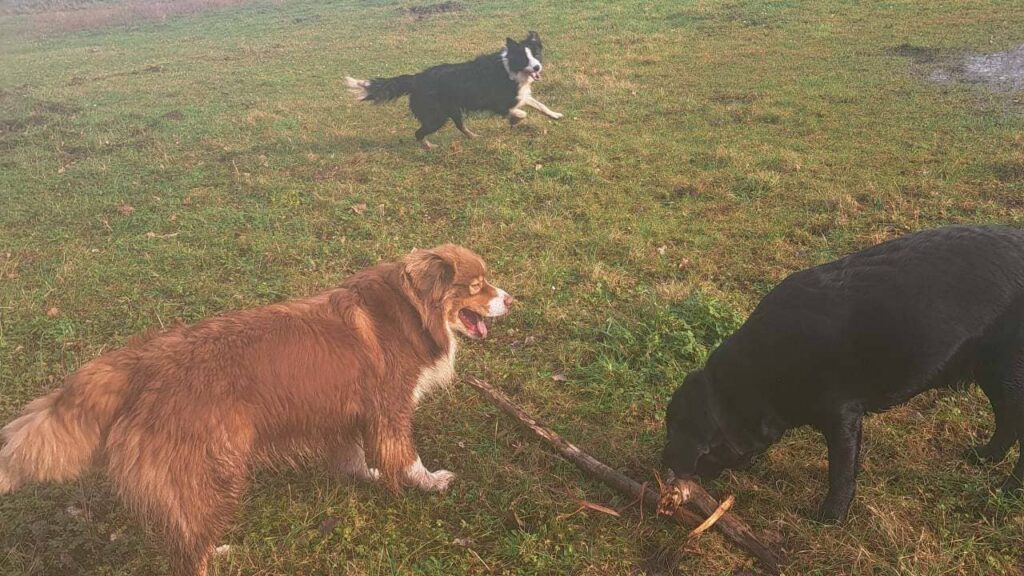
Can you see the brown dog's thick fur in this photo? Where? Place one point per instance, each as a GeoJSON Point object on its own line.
{"type": "Point", "coordinates": [179, 418]}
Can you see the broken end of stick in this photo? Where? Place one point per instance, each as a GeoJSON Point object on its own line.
{"type": "Point", "coordinates": [673, 495]}
{"type": "Point", "coordinates": [718, 513]}
{"type": "Point", "coordinates": [685, 491]}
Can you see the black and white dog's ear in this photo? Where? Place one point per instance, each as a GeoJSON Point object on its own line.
{"type": "Point", "coordinates": [531, 35]}
{"type": "Point", "coordinates": [511, 44]}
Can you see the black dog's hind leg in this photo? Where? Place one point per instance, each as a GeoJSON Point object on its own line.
{"type": "Point", "coordinates": [842, 433]}
{"type": "Point", "coordinates": [456, 117]}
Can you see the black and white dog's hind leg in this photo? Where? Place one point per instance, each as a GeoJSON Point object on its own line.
{"type": "Point", "coordinates": [456, 117]}
{"type": "Point", "coordinates": [432, 118]}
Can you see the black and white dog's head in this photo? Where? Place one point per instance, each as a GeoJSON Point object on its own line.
{"type": "Point", "coordinates": [523, 59]}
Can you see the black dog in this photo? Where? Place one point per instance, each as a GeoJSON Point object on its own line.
{"type": "Point", "coordinates": [859, 335]}
{"type": "Point", "coordinates": [498, 82]}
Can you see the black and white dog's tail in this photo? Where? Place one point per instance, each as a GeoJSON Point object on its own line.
{"type": "Point", "coordinates": [382, 89]}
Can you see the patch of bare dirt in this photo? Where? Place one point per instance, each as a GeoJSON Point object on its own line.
{"type": "Point", "coordinates": [421, 12]}
{"type": "Point", "coordinates": [19, 113]}
{"type": "Point", "coordinates": [103, 15]}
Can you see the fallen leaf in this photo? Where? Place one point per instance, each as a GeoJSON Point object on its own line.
{"type": "Point", "coordinates": [560, 378]}
{"type": "Point", "coordinates": [174, 217]}
{"type": "Point", "coordinates": [524, 342]}
{"type": "Point", "coordinates": [328, 525]}
{"type": "Point", "coordinates": [53, 312]}
{"type": "Point", "coordinates": [161, 236]}
{"type": "Point", "coordinates": [519, 521]}
{"type": "Point", "coordinates": [125, 209]}
{"type": "Point", "coordinates": [599, 508]}
{"type": "Point", "coordinates": [662, 249]}
{"type": "Point", "coordinates": [359, 208]}
{"type": "Point", "coordinates": [311, 157]}
{"type": "Point", "coordinates": [464, 542]}
{"type": "Point", "coordinates": [684, 263]}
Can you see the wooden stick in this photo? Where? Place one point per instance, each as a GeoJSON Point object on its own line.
{"type": "Point", "coordinates": [729, 524]}
{"type": "Point", "coordinates": [722, 509]}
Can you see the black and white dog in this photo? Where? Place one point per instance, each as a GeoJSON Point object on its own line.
{"type": "Point", "coordinates": [498, 82]}
{"type": "Point", "coordinates": [859, 335]}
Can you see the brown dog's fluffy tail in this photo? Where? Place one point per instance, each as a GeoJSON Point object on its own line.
{"type": "Point", "coordinates": [58, 435]}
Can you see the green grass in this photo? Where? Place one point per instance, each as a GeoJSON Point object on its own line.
{"type": "Point", "coordinates": [708, 149]}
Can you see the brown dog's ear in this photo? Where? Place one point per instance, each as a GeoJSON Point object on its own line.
{"type": "Point", "coordinates": [429, 274]}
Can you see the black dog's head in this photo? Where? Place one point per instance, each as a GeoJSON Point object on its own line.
{"type": "Point", "coordinates": [523, 59]}
{"type": "Point", "coordinates": [701, 440]}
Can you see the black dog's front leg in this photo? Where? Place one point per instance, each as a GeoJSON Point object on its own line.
{"type": "Point", "coordinates": [842, 434]}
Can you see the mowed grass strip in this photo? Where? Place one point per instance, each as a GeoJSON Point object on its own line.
{"type": "Point", "coordinates": [157, 168]}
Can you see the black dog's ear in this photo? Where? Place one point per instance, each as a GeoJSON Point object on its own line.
{"type": "Point", "coordinates": [531, 35]}
{"type": "Point", "coordinates": [511, 44]}
{"type": "Point", "coordinates": [687, 425]}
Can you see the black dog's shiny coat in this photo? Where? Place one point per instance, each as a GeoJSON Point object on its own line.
{"type": "Point", "coordinates": [444, 92]}
{"type": "Point", "coordinates": [858, 335]}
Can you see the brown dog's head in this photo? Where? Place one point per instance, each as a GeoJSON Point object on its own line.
{"type": "Point", "coordinates": [452, 281]}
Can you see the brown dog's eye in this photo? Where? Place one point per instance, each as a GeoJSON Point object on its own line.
{"type": "Point", "coordinates": [475, 286]}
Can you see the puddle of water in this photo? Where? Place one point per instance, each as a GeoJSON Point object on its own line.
{"type": "Point", "coordinates": [1000, 71]}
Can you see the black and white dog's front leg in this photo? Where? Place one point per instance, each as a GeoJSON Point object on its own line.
{"type": "Point", "coordinates": [843, 435]}
{"type": "Point", "coordinates": [537, 104]}
{"type": "Point", "coordinates": [515, 115]}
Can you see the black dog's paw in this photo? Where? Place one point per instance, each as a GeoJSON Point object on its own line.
{"type": "Point", "coordinates": [831, 513]}
{"type": "Point", "coordinates": [1012, 487]}
{"type": "Point", "coordinates": [981, 454]}
{"type": "Point", "coordinates": [513, 120]}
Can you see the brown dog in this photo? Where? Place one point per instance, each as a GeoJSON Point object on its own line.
{"type": "Point", "coordinates": [179, 418]}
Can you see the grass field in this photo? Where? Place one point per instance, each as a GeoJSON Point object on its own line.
{"type": "Point", "coordinates": [162, 162]}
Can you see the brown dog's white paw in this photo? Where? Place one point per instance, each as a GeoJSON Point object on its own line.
{"type": "Point", "coordinates": [417, 475]}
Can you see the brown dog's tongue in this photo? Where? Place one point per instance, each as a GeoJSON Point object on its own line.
{"type": "Point", "coordinates": [481, 328]}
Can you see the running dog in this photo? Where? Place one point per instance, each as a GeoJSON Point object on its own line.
{"type": "Point", "coordinates": [499, 82]}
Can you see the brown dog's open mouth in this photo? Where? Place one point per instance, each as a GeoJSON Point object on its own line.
{"type": "Point", "coordinates": [473, 322]}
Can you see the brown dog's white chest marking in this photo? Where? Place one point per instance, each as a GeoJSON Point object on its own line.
{"type": "Point", "coordinates": [440, 373]}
